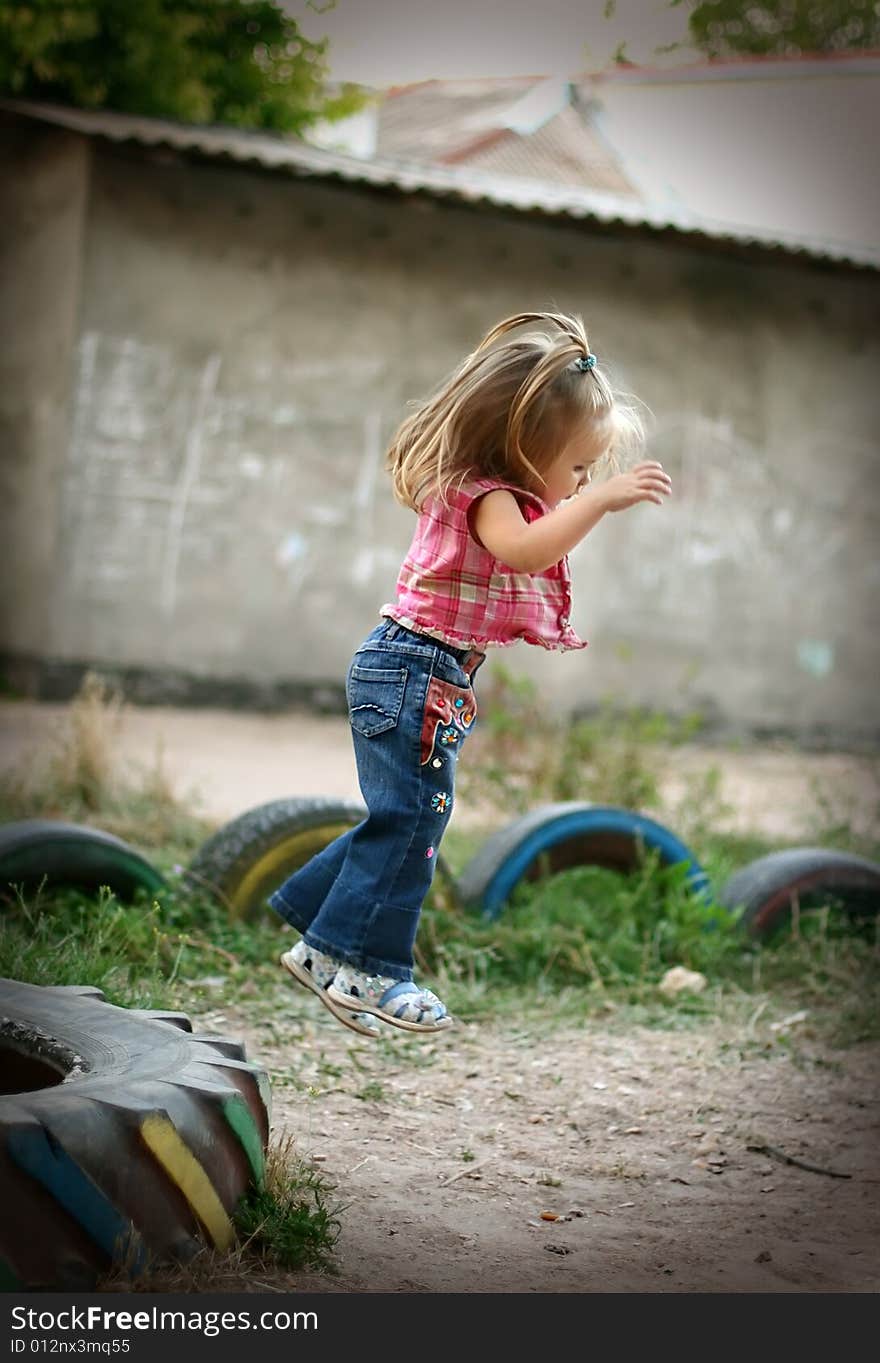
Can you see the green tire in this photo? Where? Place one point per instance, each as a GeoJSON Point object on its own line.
{"type": "Point", "coordinates": [50, 852]}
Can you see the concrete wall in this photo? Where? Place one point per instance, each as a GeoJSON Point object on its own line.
{"type": "Point", "coordinates": [42, 212]}
{"type": "Point", "coordinates": [246, 345]}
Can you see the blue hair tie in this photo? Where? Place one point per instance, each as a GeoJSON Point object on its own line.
{"type": "Point", "coordinates": [585, 363]}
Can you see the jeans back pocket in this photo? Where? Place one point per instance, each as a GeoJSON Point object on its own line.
{"type": "Point", "coordinates": [375, 698]}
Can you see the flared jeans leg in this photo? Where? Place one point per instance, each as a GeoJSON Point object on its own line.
{"type": "Point", "coordinates": [411, 707]}
{"type": "Point", "coordinates": [300, 898]}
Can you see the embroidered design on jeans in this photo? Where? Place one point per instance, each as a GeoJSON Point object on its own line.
{"type": "Point", "coordinates": [438, 762]}
{"type": "Point", "coordinates": [440, 802]}
{"type": "Point", "coordinates": [448, 708]}
{"type": "Point", "coordinates": [449, 735]}
{"type": "Point", "coordinates": [429, 853]}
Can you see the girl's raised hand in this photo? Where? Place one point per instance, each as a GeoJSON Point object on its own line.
{"type": "Point", "coordinates": [647, 482]}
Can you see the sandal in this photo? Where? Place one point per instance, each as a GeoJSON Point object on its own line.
{"type": "Point", "coordinates": [316, 971]}
{"type": "Point", "coordinates": [400, 1002]}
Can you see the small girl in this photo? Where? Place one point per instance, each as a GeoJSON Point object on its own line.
{"type": "Point", "coordinates": [491, 464]}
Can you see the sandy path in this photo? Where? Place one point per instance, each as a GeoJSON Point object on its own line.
{"type": "Point", "coordinates": [227, 762]}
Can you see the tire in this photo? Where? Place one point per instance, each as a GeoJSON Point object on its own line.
{"type": "Point", "coordinates": [141, 1154]}
{"type": "Point", "coordinates": [57, 853]}
{"type": "Point", "coordinates": [557, 836]}
{"type": "Point", "coordinates": [763, 891]}
{"type": "Point", "coordinates": [247, 859]}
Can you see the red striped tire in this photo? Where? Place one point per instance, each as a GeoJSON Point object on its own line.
{"type": "Point", "coordinates": [124, 1138]}
{"type": "Point", "coordinates": [764, 892]}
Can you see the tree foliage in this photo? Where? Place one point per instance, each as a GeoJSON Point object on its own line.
{"type": "Point", "coordinates": [782, 28]}
{"type": "Point", "coordinates": [771, 28]}
{"type": "Point", "coordinates": [241, 62]}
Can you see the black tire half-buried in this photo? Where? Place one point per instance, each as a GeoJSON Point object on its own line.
{"type": "Point", "coordinates": [54, 853]}
{"type": "Point", "coordinates": [765, 891]}
{"type": "Point", "coordinates": [124, 1137]}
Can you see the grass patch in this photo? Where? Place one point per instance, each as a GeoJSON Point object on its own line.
{"type": "Point", "coordinates": [591, 941]}
{"type": "Point", "coordinates": [65, 937]}
{"type": "Point", "coordinates": [291, 1222]}
{"type": "Point", "coordinates": [586, 927]}
{"type": "Point", "coordinates": [150, 953]}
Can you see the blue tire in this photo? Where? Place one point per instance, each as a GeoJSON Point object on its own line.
{"type": "Point", "coordinates": [555, 837]}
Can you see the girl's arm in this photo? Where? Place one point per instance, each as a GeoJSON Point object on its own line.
{"type": "Point", "coordinates": [533, 547]}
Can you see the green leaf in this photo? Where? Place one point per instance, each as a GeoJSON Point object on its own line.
{"type": "Point", "coordinates": [238, 62]}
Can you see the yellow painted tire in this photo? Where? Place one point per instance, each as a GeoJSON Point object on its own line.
{"type": "Point", "coordinates": [124, 1138]}
{"type": "Point", "coordinates": [248, 858]}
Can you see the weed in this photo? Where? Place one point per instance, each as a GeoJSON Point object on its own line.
{"type": "Point", "coordinates": [148, 953]}
{"type": "Point", "coordinates": [586, 926]}
{"type": "Point", "coordinates": [77, 776]}
{"type": "Point", "coordinates": [396, 1048]}
{"type": "Point", "coordinates": [521, 755]}
{"type": "Point", "coordinates": [73, 939]}
{"type": "Point", "coordinates": [289, 1222]}
{"type": "Point", "coordinates": [844, 823]}
{"type": "Point", "coordinates": [287, 1078]}
{"type": "Point", "coordinates": [372, 1092]}
{"type": "Point", "coordinates": [701, 810]}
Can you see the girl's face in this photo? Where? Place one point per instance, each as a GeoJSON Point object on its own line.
{"type": "Point", "coordinates": [572, 469]}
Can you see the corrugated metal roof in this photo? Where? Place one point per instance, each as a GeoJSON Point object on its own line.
{"type": "Point", "coordinates": [462, 184]}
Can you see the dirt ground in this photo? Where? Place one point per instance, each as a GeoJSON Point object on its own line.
{"type": "Point", "coordinates": [445, 1152]}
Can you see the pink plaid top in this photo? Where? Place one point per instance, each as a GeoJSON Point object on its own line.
{"type": "Point", "coordinates": [453, 589]}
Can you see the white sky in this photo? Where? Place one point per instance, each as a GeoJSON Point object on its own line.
{"type": "Point", "coordinates": [386, 42]}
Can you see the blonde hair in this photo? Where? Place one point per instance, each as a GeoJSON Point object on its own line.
{"type": "Point", "coordinates": [508, 411]}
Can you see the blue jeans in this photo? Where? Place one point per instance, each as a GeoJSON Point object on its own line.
{"type": "Point", "coordinates": [411, 705]}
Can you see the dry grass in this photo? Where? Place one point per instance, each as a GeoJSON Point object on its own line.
{"type": "Point", "coordinates": [76, 768]}
{"type": "Point", "coordinates": [77, 775]}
